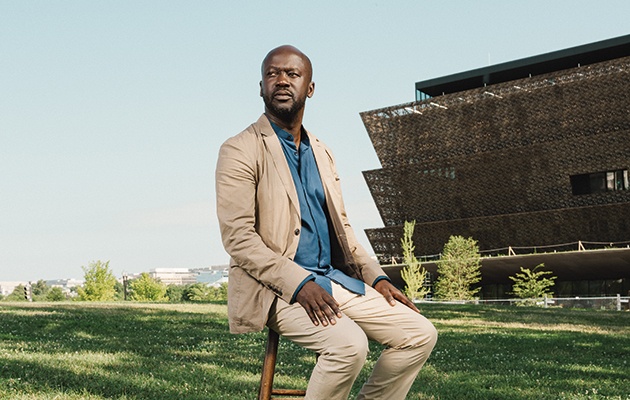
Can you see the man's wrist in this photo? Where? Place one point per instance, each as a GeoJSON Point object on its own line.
{"type": "Point", "coordinates": [380, 278]}
{"type": "Point", "coordinates": [297, 290]}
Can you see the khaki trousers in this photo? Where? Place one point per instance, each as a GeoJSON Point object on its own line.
{"type": "Point", "coordinates": [343, 347]}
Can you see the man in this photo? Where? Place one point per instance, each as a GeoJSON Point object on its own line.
{"type": "Point", "coordinates": [296, 265]}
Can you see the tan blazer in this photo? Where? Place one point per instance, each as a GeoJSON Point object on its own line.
{"type": "Point", "coordinates": [259, 217]}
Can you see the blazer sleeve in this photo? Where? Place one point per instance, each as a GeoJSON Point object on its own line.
{"type": "Point", "coordinates": [236, 179]}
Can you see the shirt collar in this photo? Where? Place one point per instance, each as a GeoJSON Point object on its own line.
{"type": "Point", "coordinates": [287, 137]}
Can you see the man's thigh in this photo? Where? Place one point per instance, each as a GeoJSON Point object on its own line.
{"type": "Point", "coordinates": [395, 326]}
{"type": "Point", "coordinates": [292, 322]}
{"type": "Point", "coordinates": [369, 316]}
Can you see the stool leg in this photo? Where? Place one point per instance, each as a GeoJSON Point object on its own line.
{"type": "Point", "coordinates": [269, 366]}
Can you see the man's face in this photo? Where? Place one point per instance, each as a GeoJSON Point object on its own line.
{"type": "Point", "coordinates": [286, 83]}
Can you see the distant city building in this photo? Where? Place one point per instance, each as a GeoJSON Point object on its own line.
{"type": "Point", "coordinates": [187, 276]}
{"type": "Point", "coordinates": [6, 288]}
{"type": "Point", "coordinates": [67, 286]}
{"type": "Point", "coordinates": [213, 277]}
{"type": "Point", "coordinates": [65, 283]}
{"type": "Point", "coordinates": [174, 276]}
{"type": "Point", "coordinates": [529, 156]}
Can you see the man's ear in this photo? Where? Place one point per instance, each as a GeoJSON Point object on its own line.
{"type": "Point", "coordinates": [260, 84]}
{"type": "Point", "coordinates": [311, 89]}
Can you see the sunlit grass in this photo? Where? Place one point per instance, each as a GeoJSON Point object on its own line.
{"type": "Point", "coordinates": [184, 351]}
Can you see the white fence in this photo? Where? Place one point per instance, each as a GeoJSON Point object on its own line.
{"type": "Point", "coordinates": [619, 303]}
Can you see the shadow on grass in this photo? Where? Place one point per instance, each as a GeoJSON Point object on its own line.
{"type": "Point", "coordinates": [121, 352]}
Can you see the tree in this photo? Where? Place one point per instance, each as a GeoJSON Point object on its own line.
{"type": "Point", "coordinates": [413, 273]}
{"type": "Point", "coordinates": [99, 282]}
{"type": "Point", "coordinates": [40, 290]}
{"type": "Point", "coordinates": [120, 291]}
{"type": "Point", "coordinates": [175, 293]}
{"type": "Point", "coordinates": [203, 292]}
{"type": "Point", "coordinates": [531, 284]}
{"type": "Point", "coordinates": [198, 292]}
{"type": "Point", "coordinates": [146, 288]}
{"type": "Point", "coordinates": [458, 269]}
{"type": "Point", "coordinates": [17, 294]}
{"type": "Point", "coordinates": [55, 294]}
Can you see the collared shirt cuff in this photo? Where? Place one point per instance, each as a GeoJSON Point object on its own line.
{"type": "Point", "coordinates": [380, 278]}
{"type": "Point", "coordinates": [308, 278]}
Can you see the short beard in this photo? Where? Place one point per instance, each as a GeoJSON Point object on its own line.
{"type": "Point", "coordinates": [284, 114]}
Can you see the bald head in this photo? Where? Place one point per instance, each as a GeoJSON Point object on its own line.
{"type": "Point", "coordinates": [288, 50]}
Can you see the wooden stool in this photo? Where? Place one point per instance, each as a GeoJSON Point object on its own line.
{"type": "Point", "coordinates": [266, 389]}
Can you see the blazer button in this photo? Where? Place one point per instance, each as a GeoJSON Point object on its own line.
{"type": "Point", "coordinates": [297, 232]}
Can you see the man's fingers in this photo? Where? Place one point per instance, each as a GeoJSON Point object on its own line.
{"type": "Point", "coordinates": [312, 316]}
{"type": "Point", "coordinates": [313, 313]}
{"type": "Point", "coordinates": [334, 308]}
{"type": "Point", "coordinates": [385, 288]}
{"type": "Point", "coordinates": [405, 300]}
{"type": "Point", "coordinates": [323, 316]}
{"type": "Point", "coordinates": [391, 294]}
{"type": "Point", "coordinates": [320, 306]}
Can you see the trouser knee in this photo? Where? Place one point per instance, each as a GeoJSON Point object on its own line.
{"type": "Point", "coordinates": [425, 343]}
{"type": "Point", "coordinates": [427, 338]}
{"type": "Point", "coordinates": [432, 336]}
{"type": "Point", "coordinates": [350, 354]}
{"type": "Point", "coordinates": [418, 343]}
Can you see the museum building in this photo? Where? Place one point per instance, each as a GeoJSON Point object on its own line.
{"type": "Point", "coordinates": [530, 158]}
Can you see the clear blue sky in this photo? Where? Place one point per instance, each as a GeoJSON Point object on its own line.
{"type": "Point", "coordinates": [112, 112]}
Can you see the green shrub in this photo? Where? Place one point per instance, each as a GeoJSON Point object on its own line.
{"type": "Point", "coordinates": [203, 292]}
{"type": "Point", "coordinates": [531, 284]}
{"type": "Point", "coordinates": [458, 269]}
{"type": "Point", "coordinates": [99, 283]}
{"type": "Point", "coordinates": [413, 273]}
{"type": "Point", "coordinates": [55, 294]}
{"type": "Point", "coordinates": [146, 288]}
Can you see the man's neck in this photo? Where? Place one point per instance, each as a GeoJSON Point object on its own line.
{"type": "Point", "coordinates": [293, 127]}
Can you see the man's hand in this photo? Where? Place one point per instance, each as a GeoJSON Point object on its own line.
{"type": "Point", "coordinates": [392, 294]}
{"type": "Point", "coordinates": [319, 305]}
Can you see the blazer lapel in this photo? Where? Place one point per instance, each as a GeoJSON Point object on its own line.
{"type": "Point", "coordinates": [323, 160]}
{"type": "Point", "coordinates": [273, 147]}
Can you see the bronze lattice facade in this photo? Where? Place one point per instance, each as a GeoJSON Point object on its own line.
{"type": "Point", "coordinates": [536, 161]}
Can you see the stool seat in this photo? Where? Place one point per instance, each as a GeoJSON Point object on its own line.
{"type": "Point", "coordinates": [266, 390]}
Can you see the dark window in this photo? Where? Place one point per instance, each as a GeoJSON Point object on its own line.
{"type": "Point", "coordinates": [599, 182]}
{"type": "Point", "coordinates": [580, 184]}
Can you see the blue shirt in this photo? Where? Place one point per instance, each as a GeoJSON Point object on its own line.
{"type": "Point", "coordinates": [313, 252]}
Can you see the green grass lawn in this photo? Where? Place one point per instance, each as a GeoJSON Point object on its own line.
{"type": "Point", "coordinates": [184, 351]}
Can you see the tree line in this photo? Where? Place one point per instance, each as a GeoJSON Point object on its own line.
{"type": "Point", "coordinates": [101, 285]}
{"type": "Point", "coordinates": [39, 291]}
